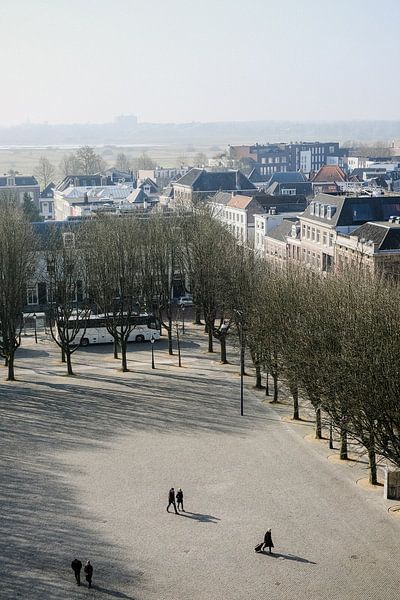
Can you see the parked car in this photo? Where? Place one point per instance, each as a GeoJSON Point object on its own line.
{"type": "Point", "coordinates": [185, 301]}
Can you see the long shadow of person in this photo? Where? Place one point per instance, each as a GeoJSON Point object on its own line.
{"type": "Point", "coordinates": [288, 557]}
{"type": "Point", "coordinates": [200, 517]}
{"type": "Point", "coordinates": [112, 593]}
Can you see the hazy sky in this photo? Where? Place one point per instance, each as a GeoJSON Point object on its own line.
{"type": "Point", "coordinates": [203, 60]}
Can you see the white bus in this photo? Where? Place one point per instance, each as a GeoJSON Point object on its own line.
{"type": "Point", "coordinates": [145, 327]}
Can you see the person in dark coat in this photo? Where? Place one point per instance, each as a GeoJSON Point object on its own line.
{"type": "Point", "coordinates": [76, 566]}
{"type": "Point", "coordinates": [268, 543]}
{"type": "Point", "coordinates": [179, 499]}
{"type": "Point", "coordinates": [89, 573]}
{"type": "Point", "coordinates": [171, 500]}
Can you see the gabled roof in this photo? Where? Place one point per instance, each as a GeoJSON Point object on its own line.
{"type": "Point", "coordinates": [353, 210]}
{"type": "Point", "coordinates": [240, 201]}
{"type": "Point", "coordinates": [48, 191]}
{"type": "Point", "coordinates": [151, 183]}
{"type": "Point", "coordinates": [222, 198]}
{"type": "Point", "coordinates": [288, 177]}
{"type": "Point", "coordinates": [386, 236]}
{"type": "Point", "coordinates": [19, 180]}
{"type": "Point", "coordinates": [138, 196]}
{"type": "Point", "coordinates": [329, 174]}
{"type": "Point", "coordinates": [200, 180]}
{"type": "Point", "coordinates": [281, 231]}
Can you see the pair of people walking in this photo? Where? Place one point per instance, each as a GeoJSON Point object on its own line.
{"type": "Point", "coordinates": [76, 566]}
{"type": "Point", "coordinates": [175, 499]}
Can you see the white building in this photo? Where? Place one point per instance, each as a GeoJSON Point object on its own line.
{"type": "Point", "coordinates": [68, 201]}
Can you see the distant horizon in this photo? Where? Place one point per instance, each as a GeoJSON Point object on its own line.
{"type": "Point", "coordinates": [68, 62]}
{"type": "Point", "coordinates": [113, 121]}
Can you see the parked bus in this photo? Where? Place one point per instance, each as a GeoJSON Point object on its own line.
{"type": "Point", "coordinates": [145, 327]}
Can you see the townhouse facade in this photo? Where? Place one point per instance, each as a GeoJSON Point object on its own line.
{"type": "Point", "coordinates": [19, 185]}
{"type": "Point", "coordinates": [283, 157]}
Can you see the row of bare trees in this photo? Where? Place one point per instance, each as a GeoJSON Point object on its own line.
{"type": "Point", "coordinates": [332, 340]}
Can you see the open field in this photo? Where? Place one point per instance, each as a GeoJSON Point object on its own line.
{"type": "Point", "coordinates": [87, 462]}
{"type": "Point", "coordinates": [24, 160]}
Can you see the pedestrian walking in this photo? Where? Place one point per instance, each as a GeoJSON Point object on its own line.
{"type": "Point", "coordinates": [171, 500]}
{"type": "Point", "coordinates": [179, 499]}
{"type": "Point", "coordinates": [268, 543]}
{"type": "Point", "coordinates": [89, 573]}
{"type": "Point", "coordinates": [76, 566]}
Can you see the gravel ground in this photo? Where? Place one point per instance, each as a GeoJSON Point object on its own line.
{"type": "Point", "coordinates": [87, 463]}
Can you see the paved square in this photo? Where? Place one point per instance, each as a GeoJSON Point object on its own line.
{"type": "Point", "coordinates": [87, 463]}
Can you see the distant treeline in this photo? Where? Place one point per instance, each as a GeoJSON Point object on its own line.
{"type": "Point", "coordinates": [203, 133]}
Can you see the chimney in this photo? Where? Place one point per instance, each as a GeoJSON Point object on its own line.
{"type": "Point", "coordinates": [238, 180]}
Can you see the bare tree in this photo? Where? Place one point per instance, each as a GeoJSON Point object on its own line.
{"type": "Point", "coordinates": [44, 172]}
{"type": "Point", "coordinates": [113, 257]}
{"type": "Point", "coordinates": [89, 161]}
{"type": "Point", "coordinates": [144, 162]}
{"type": "Point", "coordinates": [17, 247]}
{"type": "Point", "coordinates": [122, 162]}
{"type": "Point", "coordinates": [67, 285]}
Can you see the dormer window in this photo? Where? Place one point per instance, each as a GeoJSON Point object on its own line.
{"type": "Point", "coordinates": [330, 211]}
{"type": "Point", "coordinates": [317, 207]}
{"type": "Point", "coordinates": [312, 208]}
{"type": "Point", "coordinates": [11, 181]}
{"type": "Point", "coordinates": [69, 240]}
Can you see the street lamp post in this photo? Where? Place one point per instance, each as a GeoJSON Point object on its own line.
{"type": "Point", "coordinates": [239, 325]}
{"type": "Point", "coordinates": [183, 319]}
{"type": "Point", "coordinates": [178, 343]}
{"type": "Point", "coordinates": [241, 369]}
{"type": "Point", "coordinates": [152, 352]}
{"type": "Point", "coordinates": [34, 319]}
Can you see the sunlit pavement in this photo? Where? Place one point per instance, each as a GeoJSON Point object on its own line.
{"type": "Point", "coordinates": [87, 463]}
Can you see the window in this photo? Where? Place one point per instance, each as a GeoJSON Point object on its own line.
{"type": "Point", "coordinates": [324, 239]}
{"type": "Point", "coordinates": [11, 181]}
{"type": "Point", "coordinates": [263, 161]}
{"type": "Point", "coordinates": [318, 236]}
{"type": "Point", "coordinates": [69, 240]}
{"type": "Point", "coordinates": [288, 192]}
{"type": "Point", "coordinates": [241, 218]}
{"type": "Point", "coordinates": [31, 295]}
{"type": "Point", "coordinates": [283, 159]}
{"type": "Point", "coordinates": [308, 232]}
{"type": "Point", "coordinates": [313, 234]}
{"type": "Point", "coordinates": [331, 239]}
{"type": "Point", "coordinates": [270, 160]}
{"type": "Point", "coordinates": [331, 149]}
{"type": "Point", "coordinates": [303, 231]}
{"type": "Point", "coordinates": [277, 159]}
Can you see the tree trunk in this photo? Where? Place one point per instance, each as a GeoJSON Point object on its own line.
{"type": "Point", "coordinates": [267, 384]}
{"type": "Point", "coordinates": [123, 356]}
{"type": "Point", "coordinates": [343, 444]}
{"type": "Point", "coordinates": [69, 364]}
{"type": "Point", "coordinates": [197, 316]}
{"type": "Point", "coordinates": [169, 332]}
{"type": "Point", "coordinates": [294, 390]}
{"type": "Point", "coordinates": [259, 385]}
{"type": "Point", "coordinates": [10, 365]}
{"type": "Point", "coordinates": [210, 339]}
{"type": "Point", "coordinates": [330, 435]}
{"type": "Point", "coordinates": [222, 340]}
{"type": "Point", "coordinates": [62, 355]}
{"type": "Point", "coordinates": [115, 348]}
{"type": "Point", "coordinates": [318, 424]}
{"type": "Point", "coordinates": [373, 471]}
{"type": "Point", "coordinates": [275, 378]}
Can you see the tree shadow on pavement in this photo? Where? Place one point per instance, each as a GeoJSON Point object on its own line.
{"type": "Point", "coordinates": [202, 518]}
{"type": "Point", "coordinates": [288, 557]}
